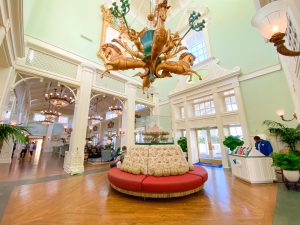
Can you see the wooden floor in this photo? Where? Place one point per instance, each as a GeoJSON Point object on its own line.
{"type": "Point", "coordinates": [88, 199]}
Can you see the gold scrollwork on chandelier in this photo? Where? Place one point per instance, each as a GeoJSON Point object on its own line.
{"type": "Point", "coordinates": [154, 47]}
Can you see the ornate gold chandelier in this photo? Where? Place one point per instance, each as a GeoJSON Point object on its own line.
{"type": "Point", "coordinates": [59, 99]}
{"type": "Point", "coordinates": [50, 113]}
{"type": "Point", "coordinates": [153, 47]}
{"type": "Point", "coordinates": [117, 109]}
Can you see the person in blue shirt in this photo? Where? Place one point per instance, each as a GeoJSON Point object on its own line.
{"type": "Point", "coordinates": [263, 146]}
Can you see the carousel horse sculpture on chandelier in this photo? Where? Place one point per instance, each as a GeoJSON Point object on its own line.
{"type": "Point", "coordinates": [152, 48]}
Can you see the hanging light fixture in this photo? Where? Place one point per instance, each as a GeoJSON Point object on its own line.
{"type": "Point", "coordinates": [50, 112]}
{"type": "Point", "coordinates": [59, 99]}
{"type": "Point", "coordinates": [96, 116]}
{"type": "Point", "coordinates": [47, 121]}
{"type": "Point", "coordinates": [154, 49]}
{"type": "Point", "coordinates": [117, 109]}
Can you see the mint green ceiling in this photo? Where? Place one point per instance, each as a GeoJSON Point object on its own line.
{"type": "Point", "coordinates": [232, 38]}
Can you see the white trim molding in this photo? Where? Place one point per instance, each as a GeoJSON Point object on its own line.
{"type": "Point", "coordinates": [260, 72]}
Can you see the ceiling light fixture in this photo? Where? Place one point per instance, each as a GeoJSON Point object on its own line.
{"type": "Point", "coordinates": [59, 99]}
{"type": "Point", "coordinates": [117, 109]}
{"type": "Point", "coordinates": [50, 112]}
{"type": "Point", "coordinates": [153, 46]}
{"type": "Point", "coordinates": [96, 117]}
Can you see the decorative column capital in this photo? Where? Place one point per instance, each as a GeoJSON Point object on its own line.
{"type": "Point", "coordinates": [88, 67]}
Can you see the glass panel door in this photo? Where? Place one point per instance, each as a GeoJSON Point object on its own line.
{"type": "Point", "coordinates": [209, 144]}
{"type": "Point", "coordinates": [215, 143]}
{"type": "Point", "coordinates": [203, 144]}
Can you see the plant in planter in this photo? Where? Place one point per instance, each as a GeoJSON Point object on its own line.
{"type": "Point", "coordinates": [288, 135]}
{"type": "Point", "coordinates": [232, 142]}
{"type": "Point", "coordinates": [182, 142]}
{"type": "Point", "coordinates": [13, 132]}
{"type": "Point", "coordinates": [289, 163]}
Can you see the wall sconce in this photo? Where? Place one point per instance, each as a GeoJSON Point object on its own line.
{"type": "Point", "coordinates": [280, 113]}
{"type": "Point", "coordinates": [271, 21]}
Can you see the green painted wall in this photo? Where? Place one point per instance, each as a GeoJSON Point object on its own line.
{"type": "Point", "coordinates": [232, 38]}
{"type": "Point", "coordinates": [262, 96]}
{"type": "Point", "coordinates": [62, 22]}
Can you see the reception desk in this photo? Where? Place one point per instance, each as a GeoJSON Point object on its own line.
{"type": "Point", "coordinates": [253, 169]}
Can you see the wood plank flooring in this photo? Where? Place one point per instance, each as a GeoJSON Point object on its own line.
{"type": "Point", "coordinates": [89, 199]}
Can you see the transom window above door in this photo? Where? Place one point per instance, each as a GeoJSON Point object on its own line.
{"type": "Point", "coordinates": [204, 106]}
{"type": "Point", "coordinates": [230, 101]}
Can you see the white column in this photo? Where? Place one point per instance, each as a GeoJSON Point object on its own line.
{"type": "Point", "coordinates": [242, 114]}
{"type": "Point", "coordinates": [6, 151]}
{"type": "Point", "coordinates": [74, 158]}
{"type": "Point", "coordinates": [128, 116]}
{"type": "Point", "coordinates": [48, 146]}
{"type": "Point", "coordinates": [2, 34]}
{"type": "Point", "coordinates": [193, 156]}
{"type": "Point", "coordinates": [7, 79]}
{"type": "Point", "coordinates": [218, 104]}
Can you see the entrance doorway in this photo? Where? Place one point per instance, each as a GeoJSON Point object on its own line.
{"type": "Point", "coordinates": [209, 146]}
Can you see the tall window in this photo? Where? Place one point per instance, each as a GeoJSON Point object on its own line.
{"type": "Point", "coordinates": [63, 119]}
{"type": "Point", "coordinates": [110, 115]}
{"type": "Point", "coordinates": [139, 107]}
{"type": "Point", "coordinates": [181, 112]}
{"type": "Point", "coordinates": [230, 101]}
{"type": "Point", "coordinates": [235, 130]}
{"type": "Point", "coordinates": [195, 43]}
{"type": "Point", "coordinates": [139, 137]}
{"type": "Point", "coordinates": [204, 106]}
{"type": "Point", "coordinates": [38, 117]}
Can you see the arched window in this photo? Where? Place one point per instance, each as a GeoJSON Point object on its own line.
{"type": "Point", "coordinates": [195, 42]}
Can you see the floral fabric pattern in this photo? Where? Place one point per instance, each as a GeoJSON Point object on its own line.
{"type": "Point", "coordinates": [154, 160]}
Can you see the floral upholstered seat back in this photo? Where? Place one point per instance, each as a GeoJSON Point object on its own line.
{"type": "Point", "coordinates": [155, 160]}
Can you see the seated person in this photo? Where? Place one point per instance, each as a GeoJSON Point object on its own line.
{"type": "Point", "coordinates": [94, 154]}
{"type": "Point", "coordinates": [120, 158]}
{"type": "Point", "coordinates": [263, 146]}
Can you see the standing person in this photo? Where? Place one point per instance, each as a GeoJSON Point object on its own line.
{"type": "Point", "coordinates": [263, 146]}
{"type": "Point", "coordinates": [14, 149]}
{"type": "Point", "coordinates": [32, 148]}
{"type": "Point", "coordinates": [25, 147]}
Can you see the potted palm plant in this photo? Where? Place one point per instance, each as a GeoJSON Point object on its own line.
{"type": "Point", "coordinates": [231, 142]}
{"type": "Point", "coordinates": [288, 135]}
{"type": "Point", "coordinates": [12, 132]}
{"type": "Point", "coordinates": [182, 142]}
{"type": "Point", "coordinates": [288, 162]}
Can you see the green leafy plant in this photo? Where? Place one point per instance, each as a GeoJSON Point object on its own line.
{"type": "Point", "coordinates": [286, 161]}
{"type": "Point", "coordinates": [232, 142]}
{"type": "Point", "coordinates": [13, 132]}
{"type": "Point", "coordinates": [182, 142]}
{"type": "Point", "coordinates": [288, 135]}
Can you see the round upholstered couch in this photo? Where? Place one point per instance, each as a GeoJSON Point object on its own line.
{"type": "Point", "coordinates": [158, 187]}
{"type": "Point", "coordinates": [157, 172]}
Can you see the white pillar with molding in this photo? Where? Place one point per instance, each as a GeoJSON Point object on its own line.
{"type": "Point", "coordinates": [48, 140]}
{"type": "Point", "coordinates": [74, 158]}
{"type": "Point", "coordinates": [2, 34]}
{"type": "Point", "coordinates": [128, 116]}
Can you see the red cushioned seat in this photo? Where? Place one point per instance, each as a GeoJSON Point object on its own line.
{"type": "Point", "coordinates": [171, 183]}
{"type": "Point", "coordinates": [125, 180]}
{"type": "Point", "coordinates": [200, 171]}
